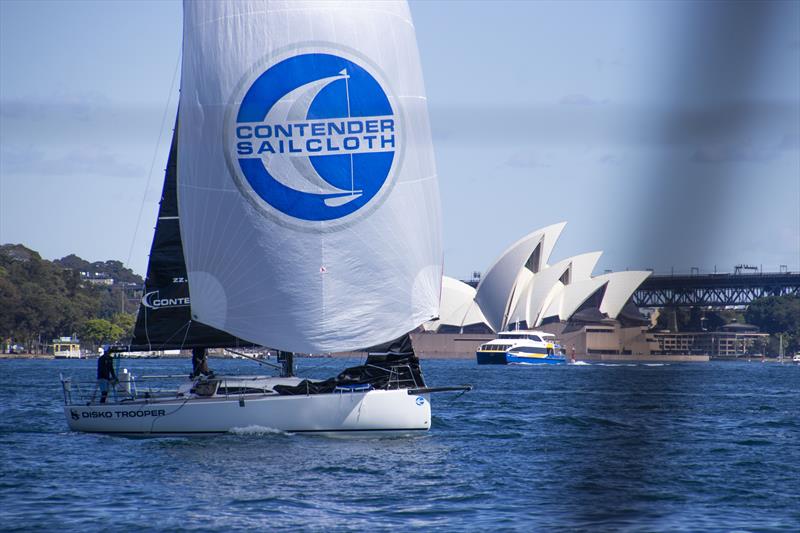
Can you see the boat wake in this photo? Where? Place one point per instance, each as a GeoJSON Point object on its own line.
{"type": "Point", "coordinates": [580, 363]}
{"type": "Point", "coordinates": [257, 430]}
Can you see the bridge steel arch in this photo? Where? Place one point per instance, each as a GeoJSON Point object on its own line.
{"type": "Point", "coordinates": [714, 290]}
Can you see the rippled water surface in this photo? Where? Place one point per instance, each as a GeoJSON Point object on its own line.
{"type": "Point", "coordinates": [676, 447]}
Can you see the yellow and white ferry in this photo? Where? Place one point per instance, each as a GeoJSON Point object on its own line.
{"type": "Point", "coordinates": [522, 347]}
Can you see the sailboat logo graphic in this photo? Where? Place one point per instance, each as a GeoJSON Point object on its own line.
{"type": "Point", "coordinates": [314, 138]}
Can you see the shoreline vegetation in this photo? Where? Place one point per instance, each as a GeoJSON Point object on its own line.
{"type": "Point", "coordinates": [42, 300]}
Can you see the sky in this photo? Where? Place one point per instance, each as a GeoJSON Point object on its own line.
{"type": "Point", "coordinates": [667, 134]}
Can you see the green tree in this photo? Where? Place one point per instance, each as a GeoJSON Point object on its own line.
{"type": "Point", "coordinates": [126, 322]}
{"type": "Point", "coordinates": [696, 318]}
{"type": "Point", "coordinates": [41, 300]}
{"type": "Point", "coordinates": [777, 315]}
{"type": "Point", "coordinates": [672, 318]}
{"type": "Point", "coordinates": [99, 331]}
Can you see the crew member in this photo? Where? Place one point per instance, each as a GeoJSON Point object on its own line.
{"type": "Point", "coordinates": [200, 363]}
{"type": "Point", "coordinates": [105, 374]}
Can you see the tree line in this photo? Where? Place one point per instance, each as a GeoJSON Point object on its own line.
{"type": "Point", "coordinates": [777, 315]}
{"type": "Point", "coordinates": [41, 300]}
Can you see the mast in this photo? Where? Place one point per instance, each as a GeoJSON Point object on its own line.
{"type": "Point", "coordinates": [347, 97]}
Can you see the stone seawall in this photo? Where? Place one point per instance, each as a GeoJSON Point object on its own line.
{"type": "Point", "coordinates": [639, 358]}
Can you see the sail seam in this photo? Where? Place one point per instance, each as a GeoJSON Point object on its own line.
{"type": "Point", "coordinates": [204, 188]}
{"type": "Point", "coordinates": [337, 9]}
{"type": "Point", "coordinates": [426, 178]}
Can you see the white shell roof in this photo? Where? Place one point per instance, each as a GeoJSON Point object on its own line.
{"type": "Point", "coordinates": [457, 307]}
{"type": "Point", "coordinates": [542, 288]}
{"type": "Point", "coordinates": [619, 288]}
{"type": "Point", "coordinates": [583, 265]}
{"type": "Point", "coordinates": [474, 315]}
{"type": "Point", "coordinates": [621, 285]}
{"type": "Point", "coordinates": [510, 293]}
{"type": "Point", "coordinates": [498, 285]}
{"type": "Point", "coordinates": [517, 305]}
{"type": "Point", "coordinates": [570, 298]}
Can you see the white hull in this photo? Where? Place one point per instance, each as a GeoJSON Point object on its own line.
{"type": "Point", "coordinates": [377, 411]}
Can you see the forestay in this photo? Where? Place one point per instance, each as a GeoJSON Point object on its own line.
{"type": "Point", "coordinates": [308, 194]}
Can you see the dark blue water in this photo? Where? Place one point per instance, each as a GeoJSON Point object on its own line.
{"type": "Point", "coordinates": [680, 447]}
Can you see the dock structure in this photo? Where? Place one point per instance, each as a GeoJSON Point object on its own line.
{"type": "Point", "coordinates": [714, 290]}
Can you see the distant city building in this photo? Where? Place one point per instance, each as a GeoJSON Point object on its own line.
{"type": "Point", "coordinates": [732, 340]}
{"type": "Point", "coordinates": [97, 278]}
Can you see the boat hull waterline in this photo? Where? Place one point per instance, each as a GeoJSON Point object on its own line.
{"type": "Point", "coordinates": [378, 411]}
{"type": "Point", "coordinates": [505, 358]}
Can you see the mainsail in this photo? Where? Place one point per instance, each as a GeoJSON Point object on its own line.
{"type": "Point", "coordinates": [164, 321]}
{"type": "Point", "coordinates": [307, 188]}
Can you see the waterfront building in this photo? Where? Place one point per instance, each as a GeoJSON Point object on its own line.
{"type": "Point", "coordinates": [730, 341]}
{"type": "Point", "coordinates": [66, 348]}
{"type": "Point", "coordinates": [97, 278]}
{"type": "Point", "coordinates": [592, 316]}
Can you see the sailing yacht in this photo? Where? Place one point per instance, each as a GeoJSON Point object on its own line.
{"type": "Point", "coordinates": [300, 179]}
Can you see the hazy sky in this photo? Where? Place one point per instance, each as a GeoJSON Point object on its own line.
{"type": "Point", "coordinates": [666, 134]}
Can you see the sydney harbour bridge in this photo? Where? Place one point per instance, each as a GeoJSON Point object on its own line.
{"type": "Point", "coordinates": [714, 290]}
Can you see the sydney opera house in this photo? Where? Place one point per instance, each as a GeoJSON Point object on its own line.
{"type": "Point", "coordinates": [592, 316]}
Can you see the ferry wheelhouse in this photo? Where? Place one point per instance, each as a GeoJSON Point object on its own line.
{"type": "Point", "coordinates": [522, 347]}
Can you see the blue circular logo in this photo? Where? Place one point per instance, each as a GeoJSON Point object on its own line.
{"type": "Point", "coordinates": [420, 400]}
{"type": "Point", "coordinates": [314, 138]}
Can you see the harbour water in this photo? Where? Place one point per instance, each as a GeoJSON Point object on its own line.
{"type": "Point", "coordinates": [598, 447]}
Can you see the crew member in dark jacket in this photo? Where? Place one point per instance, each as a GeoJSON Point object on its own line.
{"type": "Point", "coordinates": [105, 374]}
{"type": "Point", "coordinates": [200, 363]}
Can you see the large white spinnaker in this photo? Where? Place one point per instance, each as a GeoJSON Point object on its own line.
{"type": "Point", "coordinates": [308, 195]}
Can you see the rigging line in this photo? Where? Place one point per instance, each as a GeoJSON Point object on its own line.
{"type": "Point", "coordinates": [265, 363]}
{"type": "Point", "coordinates": [162, 346]}
{"type": "Point", "coordinates": [155, 419]}
{"type": "Point", "coordinates": [155, 154]}
{"type": "Point", "coordinates": [188, 325]}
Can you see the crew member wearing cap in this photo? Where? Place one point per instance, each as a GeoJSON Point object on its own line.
{"type": "Point", "coordinates": [105, 374]}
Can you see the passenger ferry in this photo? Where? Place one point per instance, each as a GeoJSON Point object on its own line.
{"type": "Point", "coordinates": [522, 347]}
